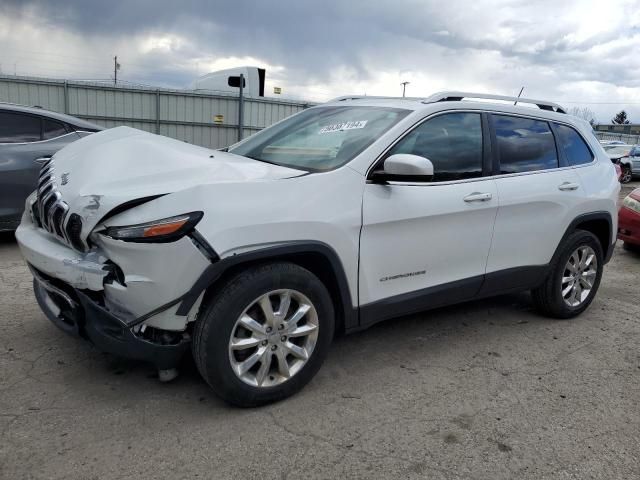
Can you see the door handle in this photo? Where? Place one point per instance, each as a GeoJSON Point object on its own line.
{"type": "Point", "coordinates": [42, 160]}
{"type": "Point", "coordinates": [478, 197]}
{"type": "Point", "coordinates": [566, 186]}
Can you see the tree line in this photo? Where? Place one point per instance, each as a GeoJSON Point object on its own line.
{"type": "Point", "coordinates": [620, 118]}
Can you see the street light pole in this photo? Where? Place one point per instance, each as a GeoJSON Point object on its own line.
{"type": "Point", "coordinates": [116, 67]}
{"type": "Point", "coordinates": [404, 86]}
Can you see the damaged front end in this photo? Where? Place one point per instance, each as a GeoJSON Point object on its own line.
{"type": "Point", "coordinates": [111, 235]}
{"type": "Point", "coordinates": [117, 292]}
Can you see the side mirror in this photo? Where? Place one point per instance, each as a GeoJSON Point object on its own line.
{"type": "Point", "coordinates": [404, 167]}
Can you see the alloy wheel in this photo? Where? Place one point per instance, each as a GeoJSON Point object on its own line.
{"type": "Point", "coordinates": [579, 276]}
{"type": "Point", "coordinates": [273, 338]}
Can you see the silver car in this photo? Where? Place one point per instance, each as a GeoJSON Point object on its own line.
{"type": "Point", "coordinates": [28, 137]}
{"type": "Point", "coordinates": [622, 155]}
{"type": "Point", "coordinates": [634, 156]}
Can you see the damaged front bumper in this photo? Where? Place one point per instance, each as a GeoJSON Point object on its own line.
{"type": "Point", "coordinates": [122, 296]}
{"type": "Point", "coordinates": [78, 314]}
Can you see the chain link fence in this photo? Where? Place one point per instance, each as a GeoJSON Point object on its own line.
{"type": "Point", "coordinates": [621, 137]}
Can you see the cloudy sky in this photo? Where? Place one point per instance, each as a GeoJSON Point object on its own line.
{"type": "Point", "coordinates": [577, 53]}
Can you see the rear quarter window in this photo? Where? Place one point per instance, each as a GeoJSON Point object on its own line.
{"type": "Point", "coordinates": [574, 147]}
{"type": "Point", "coordinates": [52, 129]}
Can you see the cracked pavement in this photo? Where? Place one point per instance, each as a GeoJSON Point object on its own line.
{"type": "Point", "coordinates": [486, 390]}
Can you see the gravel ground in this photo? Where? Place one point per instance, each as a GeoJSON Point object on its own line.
{"type": "Point", "coordinates": [487, 389]}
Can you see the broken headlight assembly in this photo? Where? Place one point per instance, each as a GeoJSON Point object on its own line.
{"type": "Point", "coordinates": [158, 231]}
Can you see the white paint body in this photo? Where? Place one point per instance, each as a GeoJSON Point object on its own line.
{"type": "Point", "coordinates": [376, 230]}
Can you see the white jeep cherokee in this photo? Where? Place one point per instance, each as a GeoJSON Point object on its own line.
{"type": "Point", "coordinates": [334, 219]}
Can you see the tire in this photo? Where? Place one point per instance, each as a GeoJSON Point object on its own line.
{"type": "Point", "coordinates": [219, 325]}
{"type": "Point", "coordinates": [626, 176]}
{"type": "Point", "coordinates": [548, 298]}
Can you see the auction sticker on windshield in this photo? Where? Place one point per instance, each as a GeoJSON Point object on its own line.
{"type": "Point", "coordinates": [338, 127]}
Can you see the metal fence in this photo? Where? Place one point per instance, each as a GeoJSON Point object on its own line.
{"type": "Point", "coordinates": [622, 137]}
{"type": "Point", "coordinates": [208, 119]}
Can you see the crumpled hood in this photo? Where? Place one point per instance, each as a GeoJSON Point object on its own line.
{"type": "Point", "coordinates": [104, 170]}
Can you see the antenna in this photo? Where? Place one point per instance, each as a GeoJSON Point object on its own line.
{"type": "Point", "coordinates": [516, 102]}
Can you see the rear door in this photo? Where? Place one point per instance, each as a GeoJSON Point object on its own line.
{"type": "Point", "coordinates": [424, 244]}
{"type": "Point", "coordinates": [539, 195]}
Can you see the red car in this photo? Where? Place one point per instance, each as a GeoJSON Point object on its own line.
{"type": "Point", "coordinates": [629, 221]}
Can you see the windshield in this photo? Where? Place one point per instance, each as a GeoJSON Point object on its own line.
{"type": "Point", "coordinates": [321, 138]}
{"type": "Point", "coordinates": [617, 149]}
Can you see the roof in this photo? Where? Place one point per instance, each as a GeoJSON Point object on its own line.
{"type": "Point", "coordinates": [472, 100]}
{"type": "Point", "coordinates": [75, 121]}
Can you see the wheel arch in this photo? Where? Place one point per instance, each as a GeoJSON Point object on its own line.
{"type": "Point", "coordinates": [317, 257]}
{"type": "Point", "coordinates": [598, 223]}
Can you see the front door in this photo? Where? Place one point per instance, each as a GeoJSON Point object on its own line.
{"type": "Point", "coordinates": [426, 244]}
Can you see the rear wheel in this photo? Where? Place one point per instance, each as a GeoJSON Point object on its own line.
{"type": "Point", "coordinates": [265, 334]}
{"type": "Point", "coordinates": [573, 279]}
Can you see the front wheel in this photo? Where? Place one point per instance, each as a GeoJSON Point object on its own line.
{"type": "Point", "coordinates": [626, 174]}
{"type": "Point", "coordinates": [265, 334]}
{"type": "Point", "coordinates": [573, 279]}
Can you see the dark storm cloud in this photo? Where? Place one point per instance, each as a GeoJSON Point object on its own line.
{"type": "Point", "coordinates": [307, 37]}
{"type": "Point", "coordinates": [553, 47]}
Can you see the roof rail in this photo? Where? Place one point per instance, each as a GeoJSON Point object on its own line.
{"type": "Point", "coordinates": [457, 96]}
{"type": "Point", "coordinates": [372, 97]}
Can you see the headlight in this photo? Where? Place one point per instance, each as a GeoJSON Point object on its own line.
{"type": "Point", "coordinates": [159, 231]}
{"type": "Point", "coordinates": [631, 203]}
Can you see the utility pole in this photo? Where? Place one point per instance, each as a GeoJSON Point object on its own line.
{"type": "Point", "coordinates": [116, 67]}
{"type": "Point", "coordinates": [241, 107]}
{"type": "Point", "coordinates": [404, 86]}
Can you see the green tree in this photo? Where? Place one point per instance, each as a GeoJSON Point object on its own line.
{"type": "Point", "coordinates": [620, 118]}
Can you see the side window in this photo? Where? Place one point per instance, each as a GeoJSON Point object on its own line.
{"type": "Point", "coordinates": [524, 144]}
{"type": "Point", "coordinates": [453, 143]}
{"type": "Point", "coordinates": [576, 151]}
{"type": "Point", "coordinates": [52, 129]}
{"type": "Point", "coordinates": [19, 128]}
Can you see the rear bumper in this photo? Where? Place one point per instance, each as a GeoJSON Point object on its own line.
{"type": "Point", "coordinates": [77, 314]}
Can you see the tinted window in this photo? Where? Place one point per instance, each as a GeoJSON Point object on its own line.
{"type": "Point", "coordinates": [52, 129]}
{"type": "Point", "coordinates": [524, 145]}
{"type": "Point", "coordinates": [16, 128]}
{"type": "Point", "coordinates": [453, 143]}
{"type": "Point", "coordinates": [571, 142]}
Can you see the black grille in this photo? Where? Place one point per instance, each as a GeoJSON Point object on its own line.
{"type": "Point", "coordinates": [50, 212]}
{"type": "Point", "coordinates": [74, 228]}
{"type": "Point", "coordinates": [36, 214]}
